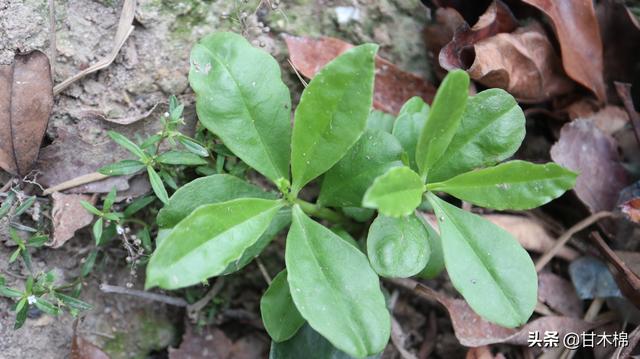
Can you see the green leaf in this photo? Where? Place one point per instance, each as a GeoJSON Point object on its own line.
{"type": "Point", "coordinates": [37, 241]}
{"type": "Point", "coordinates": [128, 145]}
{"type": "Point", "coordinates": [25, 206]}
{"type": "Point", "coordinates": [308, 344]}
{"type": "Point", "coordinates": [181, 158]}
{"type": "Point", "coordinates": [443, 121]}
{"type": "Point", "coordinates": [21, 313]}
{"type": "Point", "coordinates": [14, 255]}
{"type": "Point", "coordinates": [193, 146]}
{"type": "Point", "coordinates": [241, 98]}
{"type": "Point", "coordinates": [335, 289]}
{"type": "Point", "coordinates": [435, 265]}
{"type": "Point", "coordinates": [6, 204]}
{"type": "Point", "coordinates": [373, 155]}
{"type": "Point", "coordinates": [157, 185]}
{"type": "Point", "coordinates": [89, 263]}
{"type": "Point", "coordinates": [491, 130]}
{"type": "Point", "coordinates": [47, 307]}
{"type": "Point", "coordinates": [206, 190]}
{"type": "Point", "coordinates": [396, 193]}
{"type": "Point", "coordinates": [204, 243]}
{"type": "Point", "coordinates": [398, 247]}
{"type": "Point", "coordinates": [281, 220]}
{"type": "Point", "coordinates": [73, 303]}
{"type": "Point", "coordinates": [90, 208]}
{"type": "Point", "coordinates": [9, 292]}
{"type": "Point", "coordinates": [97, 230]}
{"type": "Point", "coordinates": [408, 126]}
{"type": "Point", "coordinates": [109, 200]}
{"type": "Point", "coordinates": [332, 114]}
{"type": "Point", "coordinates": [510, 185]}
{"type": "Point", "coordinates": [138, 205]}
{"type": "Point", "coordinates": [279, 314]}
{"type": "Point", "coordinates": [122, 168]}
{"type": "Point", "coordinates": [380, 121]}
{"type": "Point", "coordinates": [494, 274]}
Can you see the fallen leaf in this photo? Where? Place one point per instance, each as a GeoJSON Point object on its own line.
{"type": "Point", "coordinates": [628, 281]}
{"type": "Point", "coordinates": [26, 100]}
{"type": "Point", "coordinates": [629, 202]}
{"type": "Point", "coordinates": [439, 33]}
{"type": "Point", "coordinates": [559, 294]}
{"type": "Point", "coordinates": [473, 331]}
{"type": "Point", "coordinates": [578, 33]}
{"type": "Point", "coordinates": [530, 234]}
{"type": "Point", "coordinates": [523, 63]}
{"type": "Point", "coordinates": [84, 349]}
{"type": "Point", "coordinates": [591, 279]}
{"type": "Point", "coordinates": [393, 86]}
{"type": "Point", "coordinates": [458, 54]}
{"type": "Point", "coordinates": [584, 148]}
{"type": "Point", "coordinates": [68, 216]}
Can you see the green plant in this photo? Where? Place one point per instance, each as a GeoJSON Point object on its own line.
{"type": "Point", "coordinates": [215, 225]}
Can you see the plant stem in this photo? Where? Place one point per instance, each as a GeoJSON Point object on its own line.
{"type": "Point", "coordinates": [323, 213]}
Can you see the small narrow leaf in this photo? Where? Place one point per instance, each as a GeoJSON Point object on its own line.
{"type": "Point", "coordinates": [396, 193]}
{"type": "Point", "coordinates": [157, 185]}
{"type": "Point", "coordinates": [241, 98]}
{"type": "Point", "coordinates": [193, 146]}
{"type": "Point", "coordinates": [435, 265]}
{"type": "Point", "coordinates": [122, 168]}
{"type": "Point", "coordinates": [510, 185]}
{"type": "Point", "coordinates": [335, 289]}
{"type": "Point", "coordinates": [494, 274]}
{"type": "Point", "coordinates": [206, 190]}
{"type": "Point", "coordinates": [25, 206]}
{"type": "Point", "coordinates": [408, 126]}
{"type": "Point", "coordinates": [97, 230]}
{"type": "Point", "coordinates": [332, 114]}
{"type": "Point", "coordinates": [204, 243]}
{"type": "Point", "coordinates": [398, 247]}
{"type": "Point", "coordinates": [491, 130]}
{"type": "Point", "coordinates": [109, 200]}
{"type": "Point", "coordinates": [181, 158]}
{"type": "Point", "coordinates": [279, 314]}
{"type": "Point", "coordinates": [345, 183]}
{"type": "Point", "coordinates": [444, 119]}
{"type": "Point", "coordinates": [128, 145]}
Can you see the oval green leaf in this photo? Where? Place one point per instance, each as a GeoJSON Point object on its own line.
{"type": "Point", "coordinates": [335, 289]}
{"type": "Point", "coordinates": [279, 314]}
{"type": "Point", "coordinates": [408, 126]}
{"type": "Point", "coordinates": [398, 247]}
{"type": "Point", "coordinates": [373, 155]}
{"type": "Point", "coordinates": [491, 130]}
{"type": "Point", "coordinates": [241, 98]}
{"type": "Point", "coordinates": [443, 121]}
{"type": "Point", "coordinates": [332, 114]}
{"type": "Point", "coordinates": [510, 185]}
{"type": "Point", "coordinates": [206, 190]}
{"type": "Point", "coordinates": [181, 158]}
{"type": "Point", "coordinates": [208, 240]}
{"type": "Point", "coordinates": [494, 274]}
{"type": "Point", "coordinates": [435, 265]}
{"type": "Point", "coordinates": [396, 193]}
{"type": "Point", "coordinates": [122, 168]}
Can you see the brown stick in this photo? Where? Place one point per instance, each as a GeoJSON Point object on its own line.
{"type": "Point", "coordinates": [178, 302]}
{"type": "Point", "coordinates": [624, 91]}
{"type": "Point", "coordinates": [74, 182]}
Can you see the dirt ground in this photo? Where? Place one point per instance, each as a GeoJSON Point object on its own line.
{"type": "Point", "coordinates": [152, 65]}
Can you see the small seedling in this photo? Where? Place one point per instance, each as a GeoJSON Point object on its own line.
{"type": "Point", "coordinates": [215, 225]}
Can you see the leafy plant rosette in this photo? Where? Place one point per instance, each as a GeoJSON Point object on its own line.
{"type": "Point", "coordinates": [215, 225]}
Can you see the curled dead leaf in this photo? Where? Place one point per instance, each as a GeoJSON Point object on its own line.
{"type": "Point", "coordinates": [439, 33]}
{"type": "Point", "coordinates": [393, 86]}
{"type": "Point", "coordinates": [584, 148]}
{"type": "Point", "coordinates": [458, 53]}
{"type": "Point", "coordinates": [523, 63]}
{"type": "Point", "coordinates": [68, 216]}
{"type": "Point", "coordinates": [26, 100]}
{"type": "Point", "coordinates": [578, 32]}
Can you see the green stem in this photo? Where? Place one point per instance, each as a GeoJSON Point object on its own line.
{"type": "Point", "coordinates": [323, 212]}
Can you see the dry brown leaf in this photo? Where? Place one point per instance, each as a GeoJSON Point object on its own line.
{"type": "Point", "coordinates": [393, 86]}
{"type": "Point", "coordinates": [458, 54]}
{"type": "Point", "coordinates": [26, 100]}
{"type": "Point", "coordinates": [68, 216]}
{"type": "Point", "coordinates": [628, 281]}
{"type": "Point", "coordinates": [439, 33]}
{"type": "Point", "coordinates": [584, 148]}
{"type": "Point", "coordinates": [530, 234]}
{"type": "Point", "coordinates": [559, 294]}
{"type": "Point", "coordinates": [523, 63]}
{"type": "Point", "coordinates": [578, 33]}
{"type": "Point", "coordinates": [84, 349]}
{"type": "Point", "coordinates": [473, 331]}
